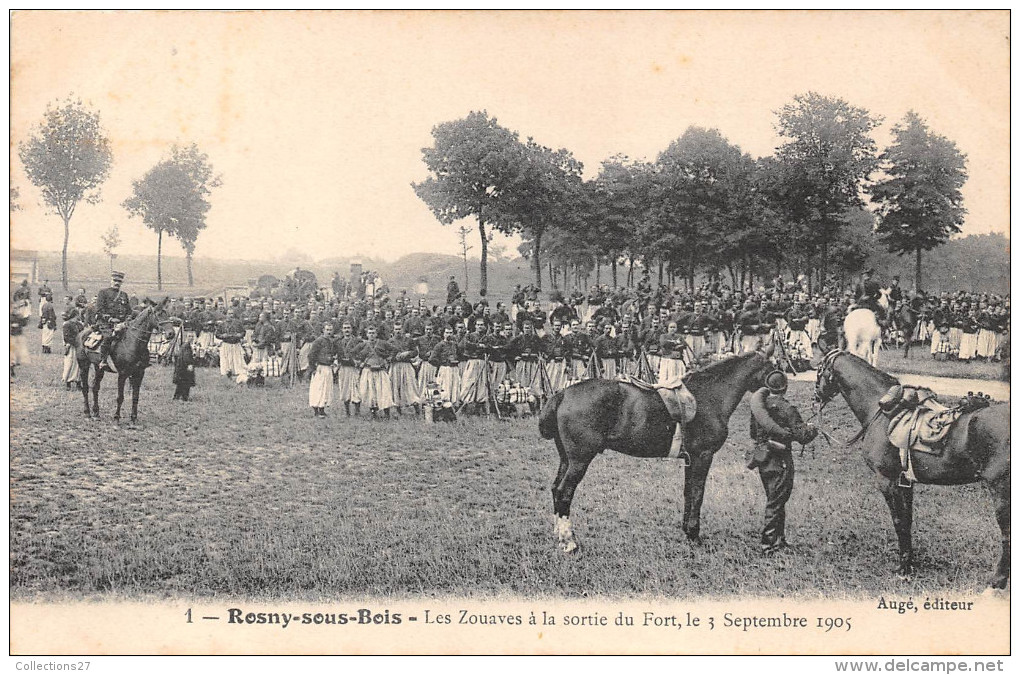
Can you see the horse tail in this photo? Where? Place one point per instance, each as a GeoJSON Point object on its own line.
{"type": "Point", "coordinates": [547, 423]}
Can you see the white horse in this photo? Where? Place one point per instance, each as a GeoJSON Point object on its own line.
{"type": "Point", "coordinates": [863, 334]}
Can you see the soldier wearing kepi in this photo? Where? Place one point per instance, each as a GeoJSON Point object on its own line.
{"type": "Point", "coordinates": [112, 309]}
{"type": "Point", "coordinates": [775, 425]}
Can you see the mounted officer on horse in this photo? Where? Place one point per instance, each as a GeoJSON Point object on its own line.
{"type": "Point", "coordinates": [123, 340]}
{"type": "Point", "coordinates": [112, 310]}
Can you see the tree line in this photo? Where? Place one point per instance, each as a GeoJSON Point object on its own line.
{"type": "Point", "coordinates": [705, 207]}
{"type": "Point", "coordinates": [68, 157]}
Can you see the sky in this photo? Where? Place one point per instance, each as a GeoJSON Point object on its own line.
{"type": "Point", "coordinates": [316, 120]}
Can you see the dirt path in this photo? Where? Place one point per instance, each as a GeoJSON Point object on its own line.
{"type": "Point", "coordinates": [946, 386]}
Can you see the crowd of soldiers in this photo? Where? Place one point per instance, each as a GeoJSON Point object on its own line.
{"type": "Point", "coordinates": [395, 352]}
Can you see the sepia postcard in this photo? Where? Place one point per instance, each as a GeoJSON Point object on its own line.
{"type": "Point", "coordinates": [258, 257]}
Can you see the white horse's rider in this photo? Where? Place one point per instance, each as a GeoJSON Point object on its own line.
{"type": "Point", "coordinates": [869, 294]}
{"type": "Point", "coordinates": [861, 326]}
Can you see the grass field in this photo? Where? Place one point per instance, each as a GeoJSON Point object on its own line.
{"type": "Point", "coordinates": [920, 362]}
{"type": "Point", "coordinates": [241, 494]}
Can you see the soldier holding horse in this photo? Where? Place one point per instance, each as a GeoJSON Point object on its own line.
{"type": "Point", "coordinates": [775, 426]}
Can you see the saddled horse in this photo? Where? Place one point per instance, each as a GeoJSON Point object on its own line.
{"type": "Point", "coordinates": [976, 449]}
{"type": "Point", "coordinates": [130, 356]}
{"type": "Point", "coordinates": [863, 332]}
{"type": "Point", "coordinates": [592, 416]}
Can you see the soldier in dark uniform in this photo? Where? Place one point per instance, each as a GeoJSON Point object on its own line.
{"type": "Point", "coordinates": [184, 372]}
{"type": "Point", "coordinates": [47, 322]}
{"type": "Point", "coordinates": [563, 313]}
{"type": "Point", "coordinates": [414, 324]}
{"type": "Point", "coordinates": [775, 425]}
{"type": "Point", "coordinates": [112, 309]}
{"type": "Point", "coordinates": [22, 294]}
{"type": "Point", "coordinates": [605, 312]}
{"type": "Point", "coordinates": [403, 381]}
{"type": "Point", "coordinates": [579, 348]}
{"type": "Point", "coordinates": [45, 290]}
{"type": "Point", "coordinates": [70, 329]}
{"type": "Point", "coordinates": [445, 358]}
{"type": "Point", "coordinates": [527, 350]}
{"type": "Point", "coordinates": [321, 356]}
{"type": "Point", "coordinates": [558, 350]}
{"type": "Point", "coordinates": [749, 323]}
{"type": "Point", "coordinates": [895, 292]}
{"type": "Point", "coordinates": [81, 301]}
{"type": "Point", "coordinates": [650, 345]}
{"type": "Point", "coordinates": [452, 291]}
{"type": "Point", "coordinates": [263, 339]}
{"type": "Point", "coordinates": [699, 329]}
{"type": "Point", "coordinates": [347, 350]}
{"type": "Point", "coordinates": [868, 293]}
{"type": "Point", "coordinates": [608, 351]}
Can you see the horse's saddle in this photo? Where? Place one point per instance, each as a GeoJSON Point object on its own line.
{"type": "Point", "coordinates": [919, 421]}
{"type": "Point", "coordinates": [91, 340]}
{"type": "Point", "coordinates": [679, 402]}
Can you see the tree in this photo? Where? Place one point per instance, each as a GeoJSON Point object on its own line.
{"type": "Point", "coordinates": [196, 165]}
{"type": "Point", "coordinates": [462, 232]}
{"type": "Point", "coordinates": [620, 204]}
{"type": "Point", "coordinates": [473, 162]}
{"type": "Point", "coordinates": [67, 157]}
{"type": "Point", "coordinates": [854, 247]}
{"type": "Point", "coordinates": [700, 175]}
{"type": "Point", "coordinates": [111, 240]}
{"type": "Point", "coordinates": [171, 199]}
{"type": "Point", "coordinates": [828, 157]}
{"type": "Point", "coordinates": [919, 202]}
{"type": "Point", "coordinates": [545, 195]}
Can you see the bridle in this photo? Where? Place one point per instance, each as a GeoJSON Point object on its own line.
{"type": "Point", "coordinates": [825, 374]}
{"type": "Point", "coordinates": [137, 334]}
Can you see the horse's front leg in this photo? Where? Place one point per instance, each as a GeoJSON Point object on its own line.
{"type": "Point", "coordinates": [136, 386]}
{"type": "Point", "coordinates": [901, 506]}
{"type": "Point", "coordinates": [83, 380]}
{"type": "Point", "coordinates": [695, 478]}
{"type": "Point", "coordinates": [95, 390]}
{"type": "Point", "coordinates": [121, 379]}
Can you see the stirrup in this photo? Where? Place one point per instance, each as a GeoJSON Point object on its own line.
{"type": "Point", "coordinates": [685, 459]}
{"type": "Point", "coordinates": [904, 481]}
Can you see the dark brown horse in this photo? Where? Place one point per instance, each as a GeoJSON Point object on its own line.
{"type": "Point", "coordinates": [590, 417]}
{"type": "Point", "coordinates": [976, 449]}
{"type": "Point", "coordinates": [130, 356]}
{"type": "Point", "coordinates": [905, 320]}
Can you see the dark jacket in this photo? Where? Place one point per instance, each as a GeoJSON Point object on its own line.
{"type": "Point", "coordinates": [773, 418]}
{"type": "Point", "coordinates": [113, 303]}
{"type": "Point", "coordinates": [184, 367]}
